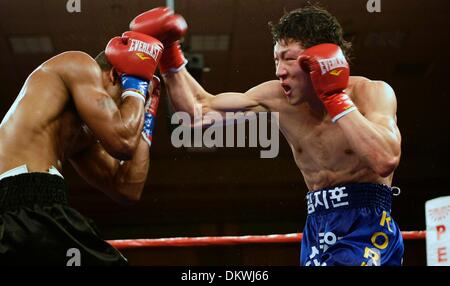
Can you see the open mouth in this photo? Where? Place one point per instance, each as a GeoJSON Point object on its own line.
{"type": "Point", "coordinates": [287, 89]}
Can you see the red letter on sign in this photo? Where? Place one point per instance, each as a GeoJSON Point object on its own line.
{"type": "Point", "coordinates": [440, 230]}
{"type": "Point", "coordinates": [442, 253]}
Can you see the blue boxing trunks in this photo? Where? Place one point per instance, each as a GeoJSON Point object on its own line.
{"type": "Point", "coordinates": [351, 225]}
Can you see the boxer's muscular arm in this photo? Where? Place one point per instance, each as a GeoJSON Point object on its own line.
{"type": "Point", "coordinates": [374, 136]}
{"type": "Point", "coordinates": [189, 96]}
{"type": "Point", "coordinates": [123, 182]}
{"type": "Point", "coordinates": [117, 128]}
{"type": "Point", "coordinates": [185, 92]}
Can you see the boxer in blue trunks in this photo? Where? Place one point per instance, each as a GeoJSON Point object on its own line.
{"type": "Point", "coordinates": [342, 130]}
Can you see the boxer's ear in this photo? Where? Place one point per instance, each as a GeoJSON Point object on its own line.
{"type": "Point", "coordinates": [113, 76]}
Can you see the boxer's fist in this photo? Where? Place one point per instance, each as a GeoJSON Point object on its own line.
{"type": "Point", "coordinates": [135, 54]}
{"type": "Point", "coordinates": [135, 57]}
{"type": "Point", "coordinates": [329, 73]}
{"type": "Point", "coordinates": [160, 23]}
{"type": "Point", "coordinates": [168, 27]}
{"type": "Point", "coordinates": [151, 107]}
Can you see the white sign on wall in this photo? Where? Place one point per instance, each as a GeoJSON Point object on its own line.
{"type": "Point", "coordinates": [437, 214]}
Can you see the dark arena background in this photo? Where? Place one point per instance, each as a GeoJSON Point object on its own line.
{"type": "Point", "coordinates": [218, 192]}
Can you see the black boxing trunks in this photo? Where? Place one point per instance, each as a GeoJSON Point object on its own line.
{"type": "Point", "coordinates": [37, 227]}
{"type": "Point", "coordinates": [351, 225]}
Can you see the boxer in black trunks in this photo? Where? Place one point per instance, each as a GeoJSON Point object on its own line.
{"type": "Point", "coordinates": [90, 113]}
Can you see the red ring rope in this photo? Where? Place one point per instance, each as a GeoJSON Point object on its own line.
{"type": "Point", "coordinates": [229, 240]}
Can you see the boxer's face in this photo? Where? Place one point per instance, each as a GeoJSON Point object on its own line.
{"type": "Point", "coordinates": [295, 82]}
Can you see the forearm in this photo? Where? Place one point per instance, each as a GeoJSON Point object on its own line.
{"type": "Point", "coordinates": [132, 119]}
{"type": "Point", "coordinates": [185, 93]}
{"type": "Point", "coordinates": [378, 145]}
{"type": "Point", "coordinates": [130, 176]}
{"type": "Point", "coordinates": [134, 113]}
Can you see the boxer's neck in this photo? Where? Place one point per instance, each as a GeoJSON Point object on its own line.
{"type": "Point", "coordinates": [315, 106]}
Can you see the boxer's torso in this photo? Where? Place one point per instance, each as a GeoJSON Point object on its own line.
{"type": "Point", "coordinates": [42, 127]}
{"type": "Point", "coordinates": [320, 149]}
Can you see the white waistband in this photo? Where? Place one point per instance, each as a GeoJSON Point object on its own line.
{"type": "Point", "coordinates": [23, 170]}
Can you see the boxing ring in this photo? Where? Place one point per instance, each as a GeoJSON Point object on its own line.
{"type": "Point", "coordinates": [228, 240]}
{"type": "Point", "coordinates": [291, 240]}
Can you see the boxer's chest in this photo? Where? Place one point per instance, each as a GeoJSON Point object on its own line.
{"type": "Point", "coordinates": [315, 142]}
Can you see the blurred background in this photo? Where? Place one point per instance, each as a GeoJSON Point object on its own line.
{"type": "Point", "coordinates": [226, 191]}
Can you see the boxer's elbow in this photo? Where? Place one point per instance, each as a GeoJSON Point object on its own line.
{"type": "Point", "coordinates": [129, 200]}
{"type": "Point", "coordinates": [121, 149]}
{"type": "Point", "coordinates": [128, 196]}
{"type": "Point", "coordinates": [122, 189]}
{"type": "Point", "coordinates": [386, 165]}
{"type": "Point", "coordinates": [133, 196]}
{"type": "Point", "coordinates": [125, 200]}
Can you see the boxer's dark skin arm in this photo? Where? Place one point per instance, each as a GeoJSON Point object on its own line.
{"type": "Point", "coordinates": [122, 181]}
{"type": "Point", "coordinates": [374, 135]}
{"type": "Point", "coordinates": [117, 128]}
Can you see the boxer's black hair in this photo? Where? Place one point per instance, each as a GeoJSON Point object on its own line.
{"type": "Point", "coordinates": [311, 25]}
{"type": "Point", "coordinates": [103, 62]}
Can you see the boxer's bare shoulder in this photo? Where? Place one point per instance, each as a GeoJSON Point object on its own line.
{"type": "Point", "coordinates": [72, 66]}
{"type": "Point", "coordinates": [372, 96]}
{"type": "Point", "coordinates": [69, 57]}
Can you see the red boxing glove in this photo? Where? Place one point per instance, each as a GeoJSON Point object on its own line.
{"type": "Point", "coordinates": [329, 75]}
{"type": "Point", "coordinates": [168, 27]}
{"type": "Point", "coordinates": [134, 54]}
